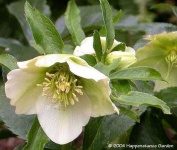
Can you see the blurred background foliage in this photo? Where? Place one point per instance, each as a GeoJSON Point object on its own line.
{"type": "Point", "coordinates": [141, 10]}
{"type": "Point", "coordinates": [137, 20]}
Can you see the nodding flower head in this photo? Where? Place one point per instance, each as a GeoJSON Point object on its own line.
{"type": "Point", "coordinates": [64, 92]}
{"type": "Point", "coordinates": [161, 54]}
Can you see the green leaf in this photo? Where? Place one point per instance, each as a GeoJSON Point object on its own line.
{"type": "Point", "coordinates": [144, 86]}
{"type": "Point", "coordinates": [162, 5]}
{"type": "Point", "coordinates": [165, 6]}
{"type": "Point", "coordinates": [36, 137]}
{"type": "Point", "coordinates": [108, 21]}
{"type": "Point", "coordinates": [44, 31]}
{"type": "Point", "coordinates": [120, 87]}
{"type": "Point", "coordinates": [53, 146]}
{"type": "Point", "coordinates": [18, 124]}
{"type": "Point", "coordinates": [68, 49]}
{"type": "Point", "coordinates": [93, 19]}
{"type": "Point", "coordinates": [8, 61]}
{"type": "Point", "coordinates": [102, 32]}
{"type": "Point", "coordinates": [17, 9]}
{"type": "Point", "coordinates": [72, 19]}
{"type": "Point", "coordinates": [169, 96]}
{"type": "Point", "coordinates": [137, 73]}
{"type": "Point", "coordinates": [41, 5]}
{"type": "Point", "coordinates": [150, 131]}
{"type": "Point", "coordinates": [138, 98]}
{"type": "Point", "coordinates": [106, 69]}
{"type": "Point", "coordinates": [16, 49]}
{"type": "Point", "coordinates": [154, 28]}
{"type": "Point", "coordinates": [119, 47]}
{"type": "Point", "coordinates": [91, 130]}
{"type": "Point", "coordinates": [174, 9]}
{"type": "Point", "coordinates": [91, 22]}
{"type": "Point", "coordinates": [101, 131]}
{"type": "Point", "coordinates": [9, 43]}
{"type": "Point", "coordinates": [20, 147]}
{"type": "Point", "coordinates": [37, 47]}
{"type": "Point", "coordinates": [97, 45]}
{"type": "Point", "coordinates": [131, 7]}
{"type": "Point", "coordinates": [130, 113]}
{"type": "Point", "coordinates": [117, 17]}
{"type": "Point", "coordinates": [90, 59]}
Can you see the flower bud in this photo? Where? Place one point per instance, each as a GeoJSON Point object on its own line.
{"type": "Point", "coordinates": [127, 57]}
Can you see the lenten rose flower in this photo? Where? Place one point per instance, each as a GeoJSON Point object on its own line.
{"type": "Point", "coordinates": [160, 53]}
{"type": "Point", "coordinates": [86, 46]}
{"type": "Point", "coordinates": [64, 92]}
{"type": "Point", "coordinates": [127, 56]}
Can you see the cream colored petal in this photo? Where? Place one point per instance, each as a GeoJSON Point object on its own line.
{"type": "Point", "coordinates": [28, 63]}
{"type": "Point", "coordinates": [86, 47]}
{"type": "Point", "coordinates": [103, 43]}
{"type": "Point", "coordinates": [44, 61]}
{"type": "Point", "coordinates": [98, 93]}
{"type": "Point", "coordinates": [84, 71]}
{"type": "Point", "coordinates": [22, 90]}
{"type": "Point", "coordinates": [49, 60]}
{"type": "Point", "coordinates": [63, 124]}
{"type": "Point", "coordinates": [77, 51]}
{"type": "Point", "coordinates": [130, 50]}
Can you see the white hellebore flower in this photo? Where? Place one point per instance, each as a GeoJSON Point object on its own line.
{"type": "Point", "coordinates": [64, 92]}
{"type": "Point", "coordinates": [86, 46]}
{"type": "Point", "coordinates": [127, 57]}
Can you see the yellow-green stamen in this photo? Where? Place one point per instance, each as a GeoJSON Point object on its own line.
{"type": "Point", "coordinates": [172, 58]}
{"type": "Point", "coordinates": [61, 85]}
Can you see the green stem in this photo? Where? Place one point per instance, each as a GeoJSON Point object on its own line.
{"type": "Point", "coordinates": [103, 57]}
{"type": "Point", "coordinates": [170, 66]}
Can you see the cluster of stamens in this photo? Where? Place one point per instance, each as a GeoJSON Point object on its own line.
{"type": "Point", "coordinates": [172, 58]}
{"type": "Point", "coordinates": [62, 86]}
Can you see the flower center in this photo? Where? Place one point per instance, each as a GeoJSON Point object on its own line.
{"type": "Point", "coordinates": [172, 58]}
{"type": "Point", "coordinates": [61, 85]}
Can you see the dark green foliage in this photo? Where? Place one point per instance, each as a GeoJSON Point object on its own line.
{"type": "Point", "coordinates": [57, 27]}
